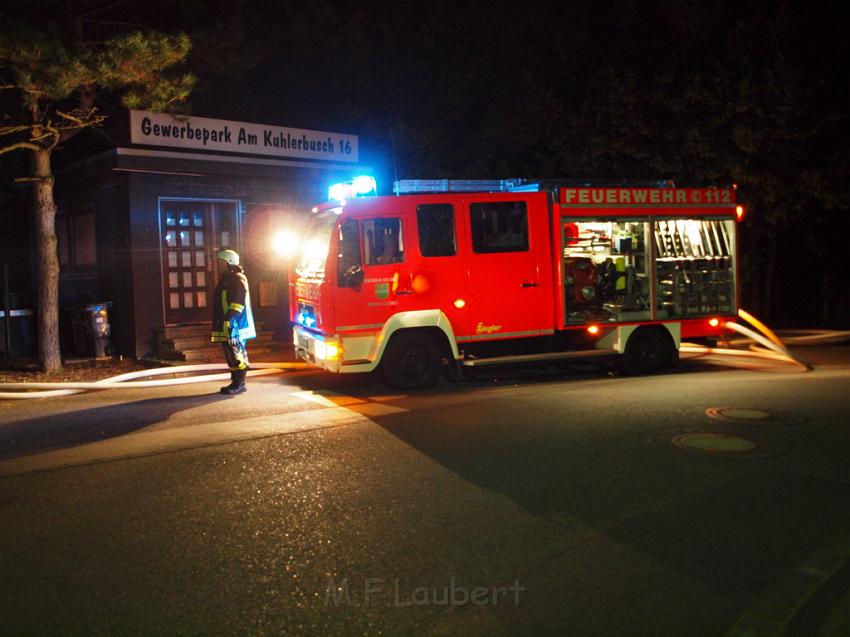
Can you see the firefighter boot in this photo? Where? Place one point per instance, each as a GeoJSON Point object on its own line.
{"type": "Point", "coordinates": [233, 382]}
{"type": "Point", "coordinates": [237, 386]}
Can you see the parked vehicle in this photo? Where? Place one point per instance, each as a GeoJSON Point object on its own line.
{"type": "Point", "coordinates": [474, 273]}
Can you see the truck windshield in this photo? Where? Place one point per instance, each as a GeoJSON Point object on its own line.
{"type": "Point", "coordinates": [315, 244]}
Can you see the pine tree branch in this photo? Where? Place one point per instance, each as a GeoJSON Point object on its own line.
{"type": "Point", "coordinates": [11, 130]}
{"type": "Point", "coordinates": [21, 88]}
{"type": "Point", "coordinates": [20, 146]}
{"type": "Point", "coordinates": [29, 180]}
{"type": "Point", "coordinates": [74, 121]}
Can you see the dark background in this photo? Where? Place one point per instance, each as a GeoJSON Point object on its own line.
{"type": "Point", "coordinates": [752, 93]}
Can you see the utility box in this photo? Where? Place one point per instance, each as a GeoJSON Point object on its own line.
{"type": "Point", "coordinates": [21, 340]}
{"type": "Point", "coordinates": [90, 328]}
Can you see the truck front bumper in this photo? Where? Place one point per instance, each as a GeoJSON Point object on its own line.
{"type": "Point", "coordinates": [317, 349]}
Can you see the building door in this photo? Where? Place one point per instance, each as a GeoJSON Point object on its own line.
{"type": "Point", "coordinates": [193, 232]}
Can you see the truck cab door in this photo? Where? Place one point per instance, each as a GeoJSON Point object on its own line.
{"type": "Point", "coordinates": [371, 281]}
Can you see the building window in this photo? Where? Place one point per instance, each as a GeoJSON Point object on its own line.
{"type": "Point", "coordinates": [76, 244]}
{"type": "Point", "coordinates": [499, 226]}
{"type": "Point", "coordinates": [436, 225]}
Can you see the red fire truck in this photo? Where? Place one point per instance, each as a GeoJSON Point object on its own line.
{"type": "Point", "coordinates": [473, 273]}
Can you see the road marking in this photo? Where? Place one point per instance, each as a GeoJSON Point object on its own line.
{"type": "Point", "coordinates": [363, 406]}
{"type": "Point", "coordinates": [328, 398]}
{"type": "Point", "coordinates": [376, 409]}
{"type": "Point", "coordinates": [157, 441]}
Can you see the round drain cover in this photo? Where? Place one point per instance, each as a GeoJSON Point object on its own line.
{"type": "Point", "coordinates": [742, 414]}
{"type": "Point", "coordinates": [714, 443]}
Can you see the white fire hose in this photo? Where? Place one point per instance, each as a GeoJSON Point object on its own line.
{"type": "Point", "coordinates": [128, 380]}
{"type": "Point", "coordinates": [772, 349]}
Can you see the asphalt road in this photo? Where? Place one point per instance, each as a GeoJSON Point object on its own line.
{"type": "Point", "coordinates": [526, 501]}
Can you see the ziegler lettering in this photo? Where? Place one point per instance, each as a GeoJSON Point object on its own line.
{"type": "Point", "coordinates": [486, 329]}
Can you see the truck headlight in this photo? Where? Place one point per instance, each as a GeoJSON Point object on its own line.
{"type": "Point", "coordinates": [285, 243]}
{"type": "Point", "coordinates": [328, 350]}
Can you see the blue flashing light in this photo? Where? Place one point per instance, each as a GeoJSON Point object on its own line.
{"type": "Point", "coordinates": [305, 317]}
{"type": "Point", "coordinates": [361, 186]}
{"type": "Point", "coordinates": [364, 185]}
{"type": "Point", "coordinates": [338, 192]}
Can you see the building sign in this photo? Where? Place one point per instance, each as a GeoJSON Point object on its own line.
{"type": "Point", "coordinates": [204, 133]}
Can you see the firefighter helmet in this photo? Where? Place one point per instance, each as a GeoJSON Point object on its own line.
{"type": "Point", "coordinates": [230, 257]}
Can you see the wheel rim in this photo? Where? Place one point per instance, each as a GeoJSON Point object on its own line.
{"type": "Point", "coordinates": [414, 363]}
{"type": "Point", "coordinates": [643, 352]}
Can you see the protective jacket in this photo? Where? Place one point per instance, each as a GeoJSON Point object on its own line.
{"type": "Point", "coordinates": [231, 295]}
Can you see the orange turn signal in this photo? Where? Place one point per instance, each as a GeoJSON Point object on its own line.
{"type": "Point", "coordinates": [593, 329]}
{"type": "Point", "coordinates": [714, 322]}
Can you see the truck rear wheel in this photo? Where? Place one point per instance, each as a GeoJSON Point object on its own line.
{"type": "Point", "coordinates": [412, 360]}
{"type": "Point", "coordinates": [648, 350]}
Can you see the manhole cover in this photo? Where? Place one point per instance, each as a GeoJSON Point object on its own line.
{"type": "Point", "coordinates": [714, 443]}
{"type": "Point", "coordinates": [739, 414]}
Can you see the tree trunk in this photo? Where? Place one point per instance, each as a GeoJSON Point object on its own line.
{"type": "Point", "coordinates": [49, 356]}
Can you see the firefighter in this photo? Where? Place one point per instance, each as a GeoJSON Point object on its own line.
{"type": "Point", "coordinates": [233, 323]}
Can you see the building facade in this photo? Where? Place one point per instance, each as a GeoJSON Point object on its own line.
{"type": "Point", "coordinates": [139, 224]}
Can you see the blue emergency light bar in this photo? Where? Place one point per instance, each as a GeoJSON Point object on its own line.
{"type": "Point", "coordinates": [362, 186]}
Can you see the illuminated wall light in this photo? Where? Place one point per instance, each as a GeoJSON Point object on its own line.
{"type": "Point", "coordinates": [593, 329]}
{"type": "Point", "coordinates": [459, 304]}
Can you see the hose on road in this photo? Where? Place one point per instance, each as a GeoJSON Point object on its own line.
{"type": "Point", "coordinates": [129, 380]}
{"type": "Point", "coordinates": [772, 347]}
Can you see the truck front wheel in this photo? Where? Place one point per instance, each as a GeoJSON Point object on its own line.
{"type": "Point", "coordinates": [412, 360]}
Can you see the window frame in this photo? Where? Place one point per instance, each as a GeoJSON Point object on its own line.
{"type": "Point", "coordinates": [474, 233]}
{"type": "Point", "coordinates": [419, 223]}
{"type": "Point", "coordinates": [67, 223]}
{"type": "Point", "coordinates": [368, 259]}
{"type": "Point", "coordinates": [341, 281]}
